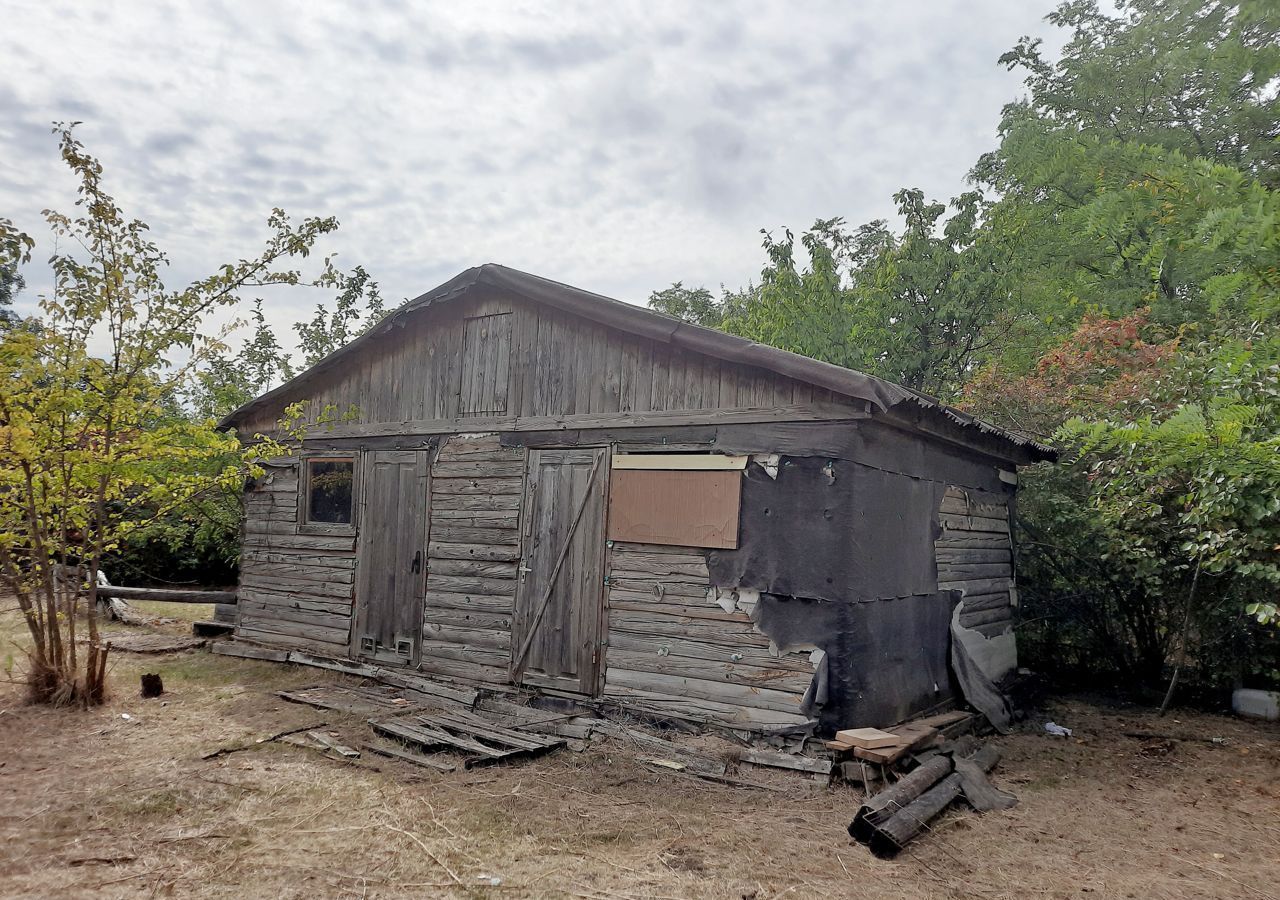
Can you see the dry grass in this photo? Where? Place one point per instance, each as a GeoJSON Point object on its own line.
{"type": "Point", "coordinates": [92, 804]}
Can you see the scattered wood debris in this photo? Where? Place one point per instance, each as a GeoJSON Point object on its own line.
{"type": "Point", "coordinates": [891, 745]}
{"type": "Point", "coordinates": [889, 820]}
{"type": "Point", "coordinates": [236, 748]}
{"type": "Point", "coordinates": [434, 761]}
{"type": "Point", "coordinates": [501, 724]}
{"type": "Point", "coordinates": [794, 761]}
{"type": "Point", "coordinates": [361, 699]}
{"type": "Point", "coordinates": [328, 743]}
{"type": "Point", "coordinates": [485, 741]}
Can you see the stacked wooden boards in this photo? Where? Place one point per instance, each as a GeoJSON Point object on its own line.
{"type": "Point", "coordinates": [472, 560]}
{"type": "Point", "coordinates": [296, 589]}
{"type": "Point", "coordinates": [975, 556]}
{"type": "Point", "coordinates": [675, 650]}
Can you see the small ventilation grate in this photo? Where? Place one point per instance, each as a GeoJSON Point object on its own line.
{"type": "Point", "coordinates": [404, 647]}
{"type": "Point", "coordinates": [368, 644]}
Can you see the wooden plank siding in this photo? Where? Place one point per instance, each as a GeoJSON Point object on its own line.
{"type": "Point", "coordinates": [472, 560]}
{"type": "Point", "coordinates": [295, 589]}
{"type": "Point", "coordinates": [489, 367]}
{"type": "Point", "coordinates": [554, 365]}
{"type": "Point", "coordinates": [974, 552]}
{"type": "Point", "coordinates": [674, 650]}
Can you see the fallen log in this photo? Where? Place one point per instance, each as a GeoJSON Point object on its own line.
{"type": "Point", "coordinates": [165, 594]}
{"type": "Point", "coordinates": [897, 832]}
{"type": "Point", "coordinates": [119, 611]}
{"type": "Point", "coordinates": [886, 804]}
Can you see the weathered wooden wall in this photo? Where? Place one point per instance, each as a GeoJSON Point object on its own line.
{"type": "Point", "coordinates": [295, 589]}
{"type": "Point", "coordinates": [673, 649]}
{"type": "Point", "coordinates": [504, 366]}
{"type": "Point", "coordinates": [975, 556]}
{"type": "Point", "coordinates": [472, 557]}
{"type": "Point", "coordinates": [559, 365]}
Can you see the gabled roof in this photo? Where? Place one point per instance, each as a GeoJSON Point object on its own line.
{"type": "Point", "coordinates": [882, 395]}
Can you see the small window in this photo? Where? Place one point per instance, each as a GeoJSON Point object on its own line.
{"type": "Point", "coordinates": [329, 495]}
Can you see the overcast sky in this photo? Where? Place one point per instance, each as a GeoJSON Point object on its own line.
{"type": "Point", "coordinates": [617, 147]}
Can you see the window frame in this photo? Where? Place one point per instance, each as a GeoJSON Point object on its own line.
{"type": "Point", "coordinates": [305, 526]}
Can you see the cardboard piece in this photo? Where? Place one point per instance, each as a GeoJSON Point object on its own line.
{"type": "Point", "coordinates": [682, 508]}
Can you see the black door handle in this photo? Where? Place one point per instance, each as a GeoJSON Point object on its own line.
{"type": "Point", "coordinates": [416, 567]}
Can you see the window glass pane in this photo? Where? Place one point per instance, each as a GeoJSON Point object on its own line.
{"type": "Point", "coordinates": [329, 483]}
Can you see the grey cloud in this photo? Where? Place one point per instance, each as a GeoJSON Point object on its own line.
{"type": "Point", "coordinates": [169, 143]}
{"type": "Point", "coordinates": [619, 147]}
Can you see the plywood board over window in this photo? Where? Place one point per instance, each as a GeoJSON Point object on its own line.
{"type": "Point", "coordinates": [684, 505]}
{"type": "Point", "coordinates": [486, 366]}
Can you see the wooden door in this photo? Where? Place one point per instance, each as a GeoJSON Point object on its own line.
{"type": "Point", "coordinates": [391, 568]}
{"type": "Point", "coordinates": [557, 630]}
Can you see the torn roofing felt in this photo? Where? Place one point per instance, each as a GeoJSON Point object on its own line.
{"type": "Point", "coordinates": [883, 661]}
{"type": "Point", "coordinates": [832, 530]}
{"type": "Point", "coordinates": [880, 394]}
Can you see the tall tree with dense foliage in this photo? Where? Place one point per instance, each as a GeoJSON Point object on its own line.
{"type": "Point", "coordinates": [1188, 75]}
{"type": "Point", "coordinates": [88, 431]}
{"type": "Point", "coordinates": [1112, 286]}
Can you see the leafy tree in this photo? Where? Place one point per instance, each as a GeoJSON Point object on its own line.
{"type": "Point", "coordinates": [15, 249]}
{"type": "Point", "coordinates": [1090, 601]}
{"type": "Point", "coordinates": [929, 303]}
{"type": "Point", "coordinates": [922, 308]}
{"type": "Point", "coordinates": [807, 310]}
{"type": "Point", "coordinates": [695, 305]}
{"type": "Point", "coordinates": [90, 440]}
{"type": "Point", "coordinates": [329, 330]}
{"type": "Point", "coordinates": [224, 383]}
{"type": "Point", "coordinates": [1187, 75]}
{"type": "Point", "coordinates": [1196, 491]}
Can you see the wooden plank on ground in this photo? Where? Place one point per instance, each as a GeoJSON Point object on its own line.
{"type": "Point", "coordinates": [910, 736]}
{"type": "Point", "coordinates": [776, 760]}
{"type": "Point", "coordinates": [418, 759]}
{"type": "Point", "coordinates": [868, 738]}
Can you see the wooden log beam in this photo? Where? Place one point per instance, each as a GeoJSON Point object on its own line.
{"type": "Point", "coordinates": [893, 835]}
{"type": "Point", "coordinates": [888, 803]}
{"type": "Point", "coordinates": [166, 595]}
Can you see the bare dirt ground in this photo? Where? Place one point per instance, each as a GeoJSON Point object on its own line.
{"type": "Point", "coordinates": [93, 804]}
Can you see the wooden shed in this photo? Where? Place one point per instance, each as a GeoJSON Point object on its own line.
{"type": "Point", "coordinates": [510, 481]}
